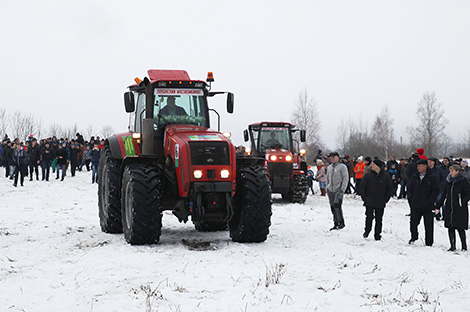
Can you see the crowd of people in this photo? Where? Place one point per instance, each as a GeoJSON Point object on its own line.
{"type": "Point", "coordinates": [23, 159]}
{"type": "Point", "coordinates": [434, 189]}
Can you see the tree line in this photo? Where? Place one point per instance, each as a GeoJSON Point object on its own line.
{"type": "Point", "coordinates": [355, 138]}
{"type": "Point", "coordinates": [22, 125]}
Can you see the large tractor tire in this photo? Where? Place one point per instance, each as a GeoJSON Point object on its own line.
{"type": "Point", "coordinates": [299, 188]}
{"type": "Point", "coordinates": [206, 226]}
{"type": "Point", "coordinates": [109, 192]}
{"type": "Point", "coordinates": [252, 206]}
{"type": "Point", "coordinates": [141, 200]}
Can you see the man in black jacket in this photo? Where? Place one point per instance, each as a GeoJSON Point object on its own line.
{"type": "Point", "coordinates": [376, 190]}
{"type": "Point", "coordinates": [62, 156]}
{"type": "Point", "coordinates": [46, 159]}
{"type": "Point", "coordinates": [34, 155]}
{"type": "Point", "coordinates": [20, 160]}
{"type": "Point", "coordinates": [422, 193]}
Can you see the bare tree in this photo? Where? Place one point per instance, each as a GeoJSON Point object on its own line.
{"type": "Point", "coordinates": [55, 130]}
{"type": "Point", "coordinates": [18, 124]}
{"type": "Point", "coordinates": [89, 132]}
{"type": "Point", "coordinates": [107, 131]}
{"type": "Point", "coordinates": [382, 133]}
{"type": "Point", "coordinates": [4, 122]}
{"type": "Point", "coordinates": [306, 117]}
{"type": "Point", "coordinates": [429, 133]}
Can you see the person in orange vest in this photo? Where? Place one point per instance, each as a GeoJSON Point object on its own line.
{"type": "Point", "coordinates": [359, 170]}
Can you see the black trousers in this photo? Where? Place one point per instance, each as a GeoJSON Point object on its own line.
{"type": "Point", "coordinates": [21, 171]}
{"type": "Point", "coordinates": [73, 167]}
{"type": "Point", "coordinates": [33, 165]}
{"type": "Point", "coordinates": [336, 209]}
{"type": "Point", "coordinates": [415, 219]}
{"type": "Point", "coordinates": [46, 167]}
{"type": "Point", "coordinates": [377, 214]}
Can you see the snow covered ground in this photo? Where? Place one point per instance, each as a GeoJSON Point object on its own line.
{"type": "Point", "coordinates": [55, 258]}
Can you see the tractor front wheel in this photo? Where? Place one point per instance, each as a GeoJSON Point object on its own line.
{"type": "Point", "coordinates": [252, 206]}
{"type": "Point", "coordinates": [141, 200]}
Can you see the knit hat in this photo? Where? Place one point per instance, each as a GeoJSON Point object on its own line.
{"type": "Point", "coordinates": [319, 162]}
{"type": "Point", "coordinates": [465, 162]}
{"type": "Point", "coordinates": [379, 163]}
{"type": "Point", "coordinates": [420, 151]}
{"type": "Point", "coordinates": [360, 158]}
{"type": "Point", "coordinates": [333, 154]}
{"type": "Point", "coordinates": [368, 159]}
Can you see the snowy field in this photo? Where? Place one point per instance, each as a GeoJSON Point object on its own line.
{"type": "Point", "coordinates": [55, 258]}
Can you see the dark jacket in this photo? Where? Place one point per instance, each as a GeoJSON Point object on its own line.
{"type": "Point", "coordinates": [34, 153]}
{"type": "Point", "coordinates": [95, 156]}
{"type": "Point", "coordinates": [7, 155]}
{"type": "Point", "coordinates": [47, 154]}
{"type": "Point", "coordinates": [440, 176]}
{"type": "Point", "coordinates": [74, 155]}
{"type": "Point", "coordinates": [62, 156]}
{"type": "Point", "coordinates": [456, 196]}
{"type": "Point", "coordinates": [376, 189]}
{"type": "Point", "coordinates": [422, 193]}
{"type": "Point", "coordinates": [19, 157]}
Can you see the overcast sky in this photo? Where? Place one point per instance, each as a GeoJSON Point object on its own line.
{"type": "Point", "coordinates": [71, 61]}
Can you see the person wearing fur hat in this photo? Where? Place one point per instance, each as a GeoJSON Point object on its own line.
{"type": "Point", "coordinates": [456, 196]}
{"type": "Point", "coordinates": [423, 190]}
{"type": "Point", "coordinates": [376, 190]}
{"type": "Point", "coordinates": [359, 173]}
{"type": "Point", "coordinates": [321, 176]}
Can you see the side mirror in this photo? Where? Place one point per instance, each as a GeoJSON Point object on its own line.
{"type": "Point", "coordinates": [245, 135]}
{"type": "Point", "coordinates": [129, 102]}
{"type": "Point", "coordinates": [302, 135]}
{"type": "Point", "coordinates": [230, 103]}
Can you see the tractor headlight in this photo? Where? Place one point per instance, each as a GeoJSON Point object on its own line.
{"type": "Point", "coordinates": [288, 158]}
{"type": "Point", "coordinates": [273, 158]}
{"type": "Point", "coordinates": [228, 135]}
{"type": "Point", "coordinates": [224, 174]}
{"type": "Point", "coordinates": [197, 174]}
{"type": "Point", "coordinates": [248, 151]}
{"type": "Point", "coordinates": [302, 152]}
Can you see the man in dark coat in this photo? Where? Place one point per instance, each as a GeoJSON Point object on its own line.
{"type": "Point", "coordinates": [95, 163]}
{"type": "Point", "coordinates": [456, 196]}
{"type": "Point", "coordinates": [47, 155]}
{"type": "Point", "coordinates": [7, 152]}
{"type": "Point", "coordinates": [20, 160]}
{"type": "Point", "coordinates": [74, 151]}
{"type": "Point", "coordinates": [376, 190]}
{"type": "Point", "coordinates": [440, 176]}
{"type": "Point", "coordinates": [422, 193]}
{"type": "Point", "coordinates": [62, 156]}
{"type": "Point", "coordinates": [34, 155]}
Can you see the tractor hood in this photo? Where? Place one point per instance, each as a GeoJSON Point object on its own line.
{"type": "Point", "coordinates": [195, 133]}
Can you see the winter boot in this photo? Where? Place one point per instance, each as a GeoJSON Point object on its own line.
{"type": "Point", "coordinates": [323, 192]}
{"type": "Point", "coordinates": [463, 239]}
{"type": "Point", "coordinates": [452, 239]}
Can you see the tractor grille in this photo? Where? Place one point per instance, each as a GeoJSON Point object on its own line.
{"type": "Point", "coordinates": [209, 153]}
{"type": "Point", "coordinates": [280, 168]}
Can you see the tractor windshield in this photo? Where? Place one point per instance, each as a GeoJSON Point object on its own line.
{"type": "Point", "coordinates": [180, 106]}
{"type": "Point", "coordinates": [273, 137]}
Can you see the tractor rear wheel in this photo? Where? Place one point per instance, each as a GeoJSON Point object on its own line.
{"type": "Point", "coordinates": [109, 192]}
{"type": "Point", "coordinates": [141, 200]}
{"type": "Point", "coordinates": [252, 206]}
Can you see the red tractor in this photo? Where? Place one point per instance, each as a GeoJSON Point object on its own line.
{"type": "Point", "coordinates": [283, 160]}
{"type": "Point", "coordinates": [171, 160]}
